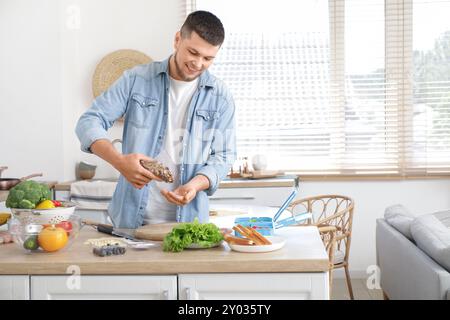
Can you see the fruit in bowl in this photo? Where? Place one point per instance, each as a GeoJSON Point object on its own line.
{"type": "Point", "coordinates": [30, 201]}
{"type": "Point", "coordinates": [35, 237]}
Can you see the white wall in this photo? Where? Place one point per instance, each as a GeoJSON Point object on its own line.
{"type": "Point", "coordinates": [47, 64]}
{"type": "Point", "coordinates": [30, 89]}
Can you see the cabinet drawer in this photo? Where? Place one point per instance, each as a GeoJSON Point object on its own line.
{"type": "Point", "coordinates": [14, 288]}
{"type": "Point", "coordinates": [104, 287]}
{"type": "Point", "coordinates": [254, 286]}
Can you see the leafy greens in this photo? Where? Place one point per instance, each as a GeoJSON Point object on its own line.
{"type": "Point", "coordinates": [183, 235]}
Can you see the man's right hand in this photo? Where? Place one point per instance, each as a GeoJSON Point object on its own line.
{"type": "Point", "coordinates": [127, 164]}
{"type": "Point", "coordinates": [130, 167]}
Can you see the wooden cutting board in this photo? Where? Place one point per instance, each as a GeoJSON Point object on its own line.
{"type": "Point", "coordinates": [155, 232]}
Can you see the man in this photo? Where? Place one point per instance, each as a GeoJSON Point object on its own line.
{"type": "Point", "coordinates": [175, 111]}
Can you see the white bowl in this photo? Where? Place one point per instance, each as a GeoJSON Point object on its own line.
{"type": "Point", "coordinates": [45, 216]}
{"type": "Point", "coordinates": [277, 243]}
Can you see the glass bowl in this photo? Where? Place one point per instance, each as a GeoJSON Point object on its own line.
{"type": "Point", "coordinates": [43, 237]}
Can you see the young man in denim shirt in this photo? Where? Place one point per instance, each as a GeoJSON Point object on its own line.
{"type": "Point", "coordinates": [175, 111]}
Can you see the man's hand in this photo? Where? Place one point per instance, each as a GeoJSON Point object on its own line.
{"type": "Point", "coordinates": [186, 193]}
{"type": "Point", "coordinates": [127, 164]}
{"type": "Point", "coordinates": [130, 167]}
{"type": "Point", "coordinates": [181, 195]}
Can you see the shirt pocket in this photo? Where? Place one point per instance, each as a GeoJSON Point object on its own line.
{"type": "Point", "coordinates": [207, 115]}
{"type": "Point", "coordinates": [142, 110]}
{"type": "Point", "coordinates": [205, 125]}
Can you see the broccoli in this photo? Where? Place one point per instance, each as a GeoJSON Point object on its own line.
{"type": "Point", "coordinates": [27, 194]}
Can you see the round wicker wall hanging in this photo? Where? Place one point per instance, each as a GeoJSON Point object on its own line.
{"type": "Point", "coordinates": [113, 65]}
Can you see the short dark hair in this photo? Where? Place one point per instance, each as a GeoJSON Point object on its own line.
{"type": "Point", "coordinates": [206, 25]}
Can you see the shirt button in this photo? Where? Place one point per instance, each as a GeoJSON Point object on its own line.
{"type": "Point", "coordinates": [160, 137]}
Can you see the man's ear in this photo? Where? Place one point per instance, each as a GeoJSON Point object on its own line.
{"type": "Point", "coordinates": [177, 40]}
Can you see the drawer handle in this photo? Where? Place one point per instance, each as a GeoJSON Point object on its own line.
{"type": "Point", "coordinates": [232, 198]}
{"type": "Point", "coordinates": [166, 295]}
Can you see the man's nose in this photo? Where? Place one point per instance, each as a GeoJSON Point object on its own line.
{"type": "Point", "coordinates": [197, 63]}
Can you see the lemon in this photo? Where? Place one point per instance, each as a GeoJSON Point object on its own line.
{"type": "Point", "coordinates": [46, 204]}
{"type": "Point", "coordinates": [4, 217]}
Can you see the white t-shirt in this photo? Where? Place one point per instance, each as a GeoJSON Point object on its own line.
{"type": "Point", "coordinates": [180, 95]}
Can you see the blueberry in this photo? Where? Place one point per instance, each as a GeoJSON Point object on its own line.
{"type": "Point", "coordinates": [99, 252]}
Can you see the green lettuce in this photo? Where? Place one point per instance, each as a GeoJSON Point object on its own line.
{"type": "Point", "coordinates": [183, 235]}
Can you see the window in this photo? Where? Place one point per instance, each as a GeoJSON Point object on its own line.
{"type": "Point", "coordinates": [339, 87]}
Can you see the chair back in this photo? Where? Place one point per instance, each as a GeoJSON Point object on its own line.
{"type": "Point", "coordinates": [329, 210]}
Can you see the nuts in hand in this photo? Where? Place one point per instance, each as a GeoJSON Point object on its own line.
{"type": "Point", "coordinates": [158, 169]}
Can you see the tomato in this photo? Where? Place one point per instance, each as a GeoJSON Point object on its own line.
{"type": "Point", "coordinates": [52, 238]}
{"type": "Point", "coordinates": [56, 203]}
{"type": "Point", "coordinates": [66, 225]}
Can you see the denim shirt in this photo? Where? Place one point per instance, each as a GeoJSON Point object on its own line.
{"type": "Point", "coordinates": [140, 95]}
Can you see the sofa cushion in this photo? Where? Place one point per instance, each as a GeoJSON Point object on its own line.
{"type": "Point", "coordinates": [431, 233]}
{"type": "Point", "coordinates": [400, 218]}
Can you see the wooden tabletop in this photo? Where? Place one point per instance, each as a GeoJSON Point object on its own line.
{"type": "Point", "coordinates": [283, 181]}
{"type": "Point", "coordinates": [303, 252]}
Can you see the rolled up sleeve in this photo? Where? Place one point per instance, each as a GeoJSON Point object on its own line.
{"type": "Point", "coordinates": [223, 148]}
{"type": "Point", "coordinates": [104, 111]}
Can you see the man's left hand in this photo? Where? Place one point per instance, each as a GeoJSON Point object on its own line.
{"type": "Point", "coordinates": [181, 195]}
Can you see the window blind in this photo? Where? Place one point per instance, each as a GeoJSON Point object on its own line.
{"type": "Point", "coordinates": [339, 87]}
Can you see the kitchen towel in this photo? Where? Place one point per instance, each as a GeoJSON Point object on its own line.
{"type": "Point", "coordinates": [92, 194]}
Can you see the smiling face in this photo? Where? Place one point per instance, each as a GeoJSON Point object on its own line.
{"type": "Point", "coordinates": [192, 56]}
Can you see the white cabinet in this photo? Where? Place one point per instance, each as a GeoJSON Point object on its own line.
{"type": "Point", "coordinates": [104, 287]}
{"type": "Point", "coordinates": [254, 286]}
{"type": "Point", "coordinates": [14, 288]}
{"type": "Point", "coordinates": [266, 196]}
{"type": "Point", "coordinates": [223, 286]}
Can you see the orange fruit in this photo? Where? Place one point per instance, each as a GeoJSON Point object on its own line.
{"type": "Point", "coordinates": [52, 238]}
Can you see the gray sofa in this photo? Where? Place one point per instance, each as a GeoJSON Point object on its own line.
{"type": "Point", "coordinates": [413, 254]}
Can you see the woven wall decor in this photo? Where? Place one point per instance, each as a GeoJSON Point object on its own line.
{"type": "Point", "coordinates": [112, 66]}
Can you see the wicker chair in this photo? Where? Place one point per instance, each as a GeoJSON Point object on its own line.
{"type": "Point", "coordinates": [333, 215]}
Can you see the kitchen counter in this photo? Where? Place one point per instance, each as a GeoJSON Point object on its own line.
{"type": "Point", "coordinates": [303, 252]}
{"type": "Point", "coordinates": [282, 181]}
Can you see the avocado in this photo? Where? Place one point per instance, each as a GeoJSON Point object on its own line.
{"type": "Point", "coordinates": [31, 243]}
